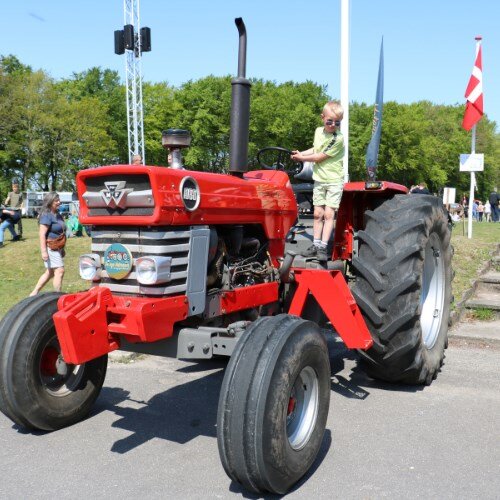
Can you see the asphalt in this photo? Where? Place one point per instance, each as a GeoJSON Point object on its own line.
{"type": "Point", "coordinates": [152, 434]}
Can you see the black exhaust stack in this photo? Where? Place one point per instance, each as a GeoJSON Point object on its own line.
{"type": "Point", "coordinates": [240, 109]}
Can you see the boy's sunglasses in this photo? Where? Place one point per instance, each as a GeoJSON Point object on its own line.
{"type": "Point", "coordinates": [333, 122]}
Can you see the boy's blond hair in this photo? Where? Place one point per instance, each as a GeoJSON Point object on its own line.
{"type": "Point", "coordinates": [336, 108]}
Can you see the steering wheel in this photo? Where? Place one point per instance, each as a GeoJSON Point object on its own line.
{"type": "Point", "coordinates": [276, 158]}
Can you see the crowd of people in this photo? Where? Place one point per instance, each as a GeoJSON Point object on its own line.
{"type": "Point", "coordinates": [489, 211]}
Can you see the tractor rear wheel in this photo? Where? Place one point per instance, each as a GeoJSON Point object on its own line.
{"type": "Point", "coordinates": [403, 287]}
{"type": "Point", "coordinates": [37, 389]}
{"type": "Point", "coordinates": [274, 404]}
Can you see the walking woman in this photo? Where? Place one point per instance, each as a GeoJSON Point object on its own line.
{"type": "Point", "coordinates": [52, 234]}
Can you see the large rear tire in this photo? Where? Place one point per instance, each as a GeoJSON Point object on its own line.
{"type": "Point", "coordinates": [32, 392]}
{"type": "Point", "coordinates": [403, 287]}
{"type": "Point", "coordinates": [274, 403]}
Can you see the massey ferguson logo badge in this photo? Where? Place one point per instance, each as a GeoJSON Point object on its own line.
{"type": "Point", "coordinates": [115, 194]}
{"type": "Point", "coordinates": [190, 193]}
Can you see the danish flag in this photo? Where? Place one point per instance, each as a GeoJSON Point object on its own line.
{"type": "Point", "coordinates": [474, 93]}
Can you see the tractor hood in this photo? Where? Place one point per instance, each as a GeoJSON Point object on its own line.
{"type": "Point", "coordinates": [126, 195]}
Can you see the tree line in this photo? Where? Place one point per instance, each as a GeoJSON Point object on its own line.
{"type": "Point", "coordinates": [50, 129]}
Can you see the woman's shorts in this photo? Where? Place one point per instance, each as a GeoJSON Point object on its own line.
{"type": "Point", "coordinates": [55, 259]}
{"type": "Point", "coordinates": [326, 194]}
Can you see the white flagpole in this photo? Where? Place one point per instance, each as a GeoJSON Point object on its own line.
{"type": "Point", "coordinates": [473, 150]}
{"type": "Point", "coordinates": [344, 79]}
{"type": "Point", "coordinates": [472, 183]}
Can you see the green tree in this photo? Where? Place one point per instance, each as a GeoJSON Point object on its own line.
{"type": "Point", "coordinates": [46, 136]}
{"type": "Point", "coordinates": [75, 136]}
{"type": "Point", "coordinates": [161, 111]}
{"type": "Point", "coordinates": [25, 108]}
{"type": "Point", "coordinates": [285, 115]}
{"type": "Point", "coordinates": [50, 130]}
{"type": "Point", "coordinates": [11, 65]}
{"type": "Point", "coordinates": [103, 85]}
{"type": "Point", "coordinates": [204, 107]}
{"type": "Point", "coordinates": [422, 142]}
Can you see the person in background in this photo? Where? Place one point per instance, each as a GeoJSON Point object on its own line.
{"type": "Point", "coordinates": [465, 204]}
{"type": "Point", "coordinates": [421, 188]}
{"type": "Point", "coordinates": [136, 160]}
{"type": "Point", "coordinates": [487, 211]}
{"type": "Point", "coordinates": [15, 200]}
{"type": "Point", "coordinates": [474, 209]}
{"type": "Point", "coordinates": [12, 213]}
{"type": "Point", "coordinates": [8, 218]}
{"type": "Point", "coordinates": [495, 209]}
{"type": "Point", "coordinates": [480, 210]}
{"type": "Point", "coordinates": [327, 154]}
{"type": "Point", "coordinates": [52, 227]}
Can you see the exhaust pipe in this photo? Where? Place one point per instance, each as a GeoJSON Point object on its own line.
{"type": "Point", "coordinates": [240, 109]}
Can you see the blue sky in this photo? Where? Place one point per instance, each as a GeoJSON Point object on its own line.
{"type": "Point", "coordinates": [429, 45]}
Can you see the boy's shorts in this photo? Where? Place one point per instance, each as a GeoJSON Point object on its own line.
{"type": "Point", "coordinates": [326, 194]}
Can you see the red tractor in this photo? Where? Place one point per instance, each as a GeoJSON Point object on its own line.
{"type": "Point", "coordinates": [194, 265]}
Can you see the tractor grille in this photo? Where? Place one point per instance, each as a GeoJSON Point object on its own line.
{"type": "Point", "coordinates": [119, 194]}
{"type": "Point", "coordinates": [161, 241]}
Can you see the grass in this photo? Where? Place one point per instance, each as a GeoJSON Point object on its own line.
{"type": "Point", "coordinates": [481, 314]}
{"type": "Point", "coordinates": [472, 254]}
{"type": "Point", "coordinates": [21, 263]}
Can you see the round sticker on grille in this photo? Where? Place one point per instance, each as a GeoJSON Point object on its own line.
{"type": "Point", "coordinates": [117, 261]}
{"type": "Point", "coordinates": [190, 193]}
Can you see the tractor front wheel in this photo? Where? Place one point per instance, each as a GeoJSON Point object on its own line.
{"type": "Point", "coordinates": [37, 389]}
{"type": "Point", "coordinates": [274, 404]}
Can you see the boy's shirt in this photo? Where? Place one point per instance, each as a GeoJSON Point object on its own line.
{"type": "Point", "coordinates": [330, 170]}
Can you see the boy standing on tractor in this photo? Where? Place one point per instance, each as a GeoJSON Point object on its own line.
{"type": "Point", "coordinates": [327, 154]}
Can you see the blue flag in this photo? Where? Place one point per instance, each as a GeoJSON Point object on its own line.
{"type": "Point", "coordinates": [372, 150]}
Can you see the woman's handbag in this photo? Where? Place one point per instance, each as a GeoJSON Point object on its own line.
{"type": "Point", "coordinates": [57, 243]}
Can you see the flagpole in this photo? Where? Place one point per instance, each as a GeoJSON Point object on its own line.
{"type": "Point", "coordinates": [472, 183]}
{"type": "Point", "coordinates": [344, 80]}
{"type": "Point", "coordinates": [473, 150]}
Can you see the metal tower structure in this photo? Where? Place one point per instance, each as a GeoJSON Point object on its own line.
{"type": "Point", "coordinates": [133, 77]}
{"type": "Point", "coordinates": [133, 41]}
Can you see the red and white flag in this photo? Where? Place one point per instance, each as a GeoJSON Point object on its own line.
{"type": "Point", "coordinates": [474, 93]}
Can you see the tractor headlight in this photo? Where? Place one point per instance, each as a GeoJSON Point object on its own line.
{"type": "Point", "coordinates": [90, 266]}
{"type": "Point", "coordinates": [152, 270]}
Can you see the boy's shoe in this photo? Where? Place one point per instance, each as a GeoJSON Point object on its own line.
{"type": "Point", "coordinates": [311, 251]}
{"type": "Point", "coordinates": [16, 238]}
{"type": "Point", "coordinates": [322, 254]}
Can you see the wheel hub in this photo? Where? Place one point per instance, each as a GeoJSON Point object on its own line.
{"type": "Point", "coordinates": [302, 409]}
{"type": "Point", "coordinates": [433, 292]}
{"type": "Point", "coordinates": [57, 377]}
{"type": "Point", "coordinates": [48, 362]}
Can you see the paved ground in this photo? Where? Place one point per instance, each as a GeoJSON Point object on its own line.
{"type": "Point", "coordinates": [152, 435]}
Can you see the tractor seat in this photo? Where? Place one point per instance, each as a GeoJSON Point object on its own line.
{"type": "Point", "coordinates": [306, 174]}
{"type": "Point", "coordinates": [303, 195]}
